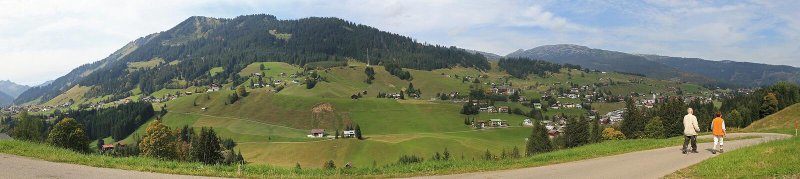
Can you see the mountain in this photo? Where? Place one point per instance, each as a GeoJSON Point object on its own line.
{"type": "Point", "coordinates": [604, 60]}
{"type": "Point", "coordinates": [490, 56]}
{"type": "Point", "coordinates": [738, 73]}
{"type": "Point", "coordinates": [12, 89]}
{"type": "Point", "coordinates": [187, 53]}
{"type": "Point", "coordinates": [5, 99]}
{"type": "Point", "coordinates": [45, 83]}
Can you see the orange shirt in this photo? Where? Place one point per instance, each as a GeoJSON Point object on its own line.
{"type": "Point", "coordinates": [718, 126]}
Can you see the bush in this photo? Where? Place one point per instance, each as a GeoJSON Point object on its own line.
{"type": "Point", "coordinates": [158, 142]}
{"type": "Point", "coordinates": [612, 134]}
{"type": "Point", "coordinates": [409, 159]}
{"type": "Point", "coordinates": [654, 128]}
{"type": "Point", "coordinates": [69, 134]}
{"type": "Point", "coordinates": [330, 165]}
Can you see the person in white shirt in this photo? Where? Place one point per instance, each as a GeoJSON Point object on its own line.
{"type": "Point", "coordinates": [690, 129]}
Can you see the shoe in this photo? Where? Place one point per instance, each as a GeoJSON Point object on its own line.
{"type": "Point", "coordinates": [720, 150]}
{"type": "Point", "coordinates": [713, 152]}
{"type": "Point", "coordinates": [684, 152]}
{"type": "Point", "coordinates": [695, 151]}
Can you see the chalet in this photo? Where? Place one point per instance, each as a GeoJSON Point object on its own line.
{"type": "Point", "coordinates": [491, 109]}
{"type": "Point", "coordinates": [503, 109]}
{"type": "Point", "coordinates": [213, 87]}
{"type": "Point", "coordinates": [527, 122]}
{"type": "Point", "coordinates": [537, 105]}
{"type": "Point", "coordinates": [349, 134]}
{"type": "Point", "coordinates": [498, 123]}
{"type": "Point", "coordinates": [189, 93]}
{"type": "Point", "coordinates": [315, 133]}
{"type": "Point", "coordinates": [107, 147]}
{"type": "Point", "coordinates": [479, 124]}
{"type": "Point", "coordinates": [258, 74]}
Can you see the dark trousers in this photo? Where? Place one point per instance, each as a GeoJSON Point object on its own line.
{"type": "Point", "coordinates": [686, 140]}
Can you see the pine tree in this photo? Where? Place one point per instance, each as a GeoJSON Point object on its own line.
{"type": "Point", "coordinates": [358, 132]}
{"type": "Point", "coordinates": [597, 131]}
{"type": "Point", "coordinates": [654, 128]}
{"type": "Point", "coordinates": [577, 132]}
{"type": "Point", "coordinates": [539, 141]}
{"type": "Point", "coordinates": [633, 122]}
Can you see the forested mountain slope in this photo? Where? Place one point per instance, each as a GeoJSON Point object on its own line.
{"type": "Point", "coordinates": [185, 55]}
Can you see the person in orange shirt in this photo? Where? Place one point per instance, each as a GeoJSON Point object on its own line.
{"type": "Point", "coordinates": [718, 131]}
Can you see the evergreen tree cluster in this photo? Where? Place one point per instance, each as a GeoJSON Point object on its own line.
{"type": "Point", "coordinates": [395, 70]}
{"type": "Point", "coordinates": [117, 122]}
{"type": "Point", "coordinates": [522, 67]}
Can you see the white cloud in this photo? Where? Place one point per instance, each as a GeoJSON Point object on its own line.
{"type": "Point", "coordinates": [57, 36]}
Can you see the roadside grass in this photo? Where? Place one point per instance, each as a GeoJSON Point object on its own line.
{"type": "Point", "coordinates": [428, 167]}
{"type": "Point", "coordinates": [775, 159]}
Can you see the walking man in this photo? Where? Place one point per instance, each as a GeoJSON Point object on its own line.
{"type": "Point", "coordinates": [718, 130]}
{"type": "Point", "coordinates": [690, 129]}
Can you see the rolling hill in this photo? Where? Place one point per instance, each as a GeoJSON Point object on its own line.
{"type": "Point", "coordinates": [783, 119]}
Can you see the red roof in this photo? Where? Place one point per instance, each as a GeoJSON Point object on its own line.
{"type": "Point", "coordinates": [108, 146]}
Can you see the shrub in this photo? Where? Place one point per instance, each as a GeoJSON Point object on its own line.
{"type": "Point", "coordinates": [612, 134]}
{"type": "Point", "coordinates": [69, 134]}
{"type": "Point", "coordinates": [158, 141]}
{"type": "Point", "coordinates": [409, 159]}
{"type": "Point", "coordinates": [654, 128]}
{"type": "Point", "coordinates": [330, 165]}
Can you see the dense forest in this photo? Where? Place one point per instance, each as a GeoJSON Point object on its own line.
{"type": "Point", "coordinates": [116, 122]}
{"type": "Point", "coordinates": [199, 44]}
{"type": "Point", "coordinates": [522, 67]}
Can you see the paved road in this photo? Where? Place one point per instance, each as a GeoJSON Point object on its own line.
{"type": "Point", "coordinates": [643, 164]}
{"type": "Point", "coordinates": [13, 167]}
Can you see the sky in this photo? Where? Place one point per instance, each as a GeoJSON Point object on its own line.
{"type": "Point", "coordinates": [41, 40]}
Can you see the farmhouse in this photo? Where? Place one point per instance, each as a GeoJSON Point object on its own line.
{"type": "Point", "coordinates": [349, 134]}
{"type": "Point", "coordinates": [527, 122]}
{"type": "Point", "coordinates": [503, 109]}
{"type": "Point", "coordinates": [479, 124]}
{"type": "Point", "coordinates": [498, 123]}
{"type": "Point", "coordinates": [315, 133]}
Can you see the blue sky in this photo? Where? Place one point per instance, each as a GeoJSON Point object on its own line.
{"type": "Point", "coordinates": [44, 39]}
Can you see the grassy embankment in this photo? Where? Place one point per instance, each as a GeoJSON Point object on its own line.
{"type": "Point", "coordinates": [428, 167]}
{"type": "Point", "coordinates": [776, 159]}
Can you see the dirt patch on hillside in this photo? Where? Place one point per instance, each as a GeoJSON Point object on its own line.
{"type": "Point", "coordinates": [323, 116]}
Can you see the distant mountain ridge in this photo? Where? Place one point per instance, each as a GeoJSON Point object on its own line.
{"type": "Point", "coordinates": [12, 89]}
{"type": "Point", "coordinates": [605, 60]}
{"type": "Point", "coordinates": [715, 73]}
{"type": "Point", "coordinates": [5, 99]}
{"type": "Point", "coordinates": [739, 73]}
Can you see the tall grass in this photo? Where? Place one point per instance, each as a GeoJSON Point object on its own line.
{"type": "Point", "coordinates": [427, 167]}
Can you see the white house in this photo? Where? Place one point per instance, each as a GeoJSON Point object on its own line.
{"type": "Point", "coordinates": [527, 122]}
{"type": "Point", "coordinates": [498, 123]}
{"type": "Point", "coordinates": [349, 134]}
{"type": "Point", "coordinates": [317, 133]}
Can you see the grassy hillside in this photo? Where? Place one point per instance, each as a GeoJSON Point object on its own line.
{"type": "Point", "coordinates": [783, 119]}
